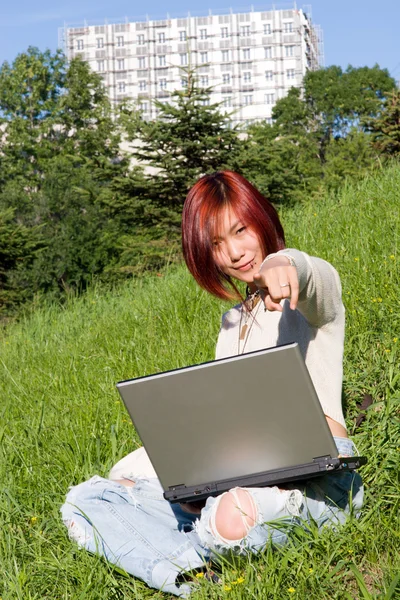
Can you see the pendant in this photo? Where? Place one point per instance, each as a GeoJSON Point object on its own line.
{"type": "Point", "coordinates": [243, 332]}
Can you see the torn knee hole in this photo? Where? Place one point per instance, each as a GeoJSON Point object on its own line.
{"type": "Point", "coordinates": [235, 514]}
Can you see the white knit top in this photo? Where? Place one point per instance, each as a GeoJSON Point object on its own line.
{"type": "Point", "coordinates": [317, 325]}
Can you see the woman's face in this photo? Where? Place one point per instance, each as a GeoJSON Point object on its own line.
{"type": "Point", "coordinates": [237, 249]}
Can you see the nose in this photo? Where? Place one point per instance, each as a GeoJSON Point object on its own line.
{"type": "Point", "coordinates": [235, 251]}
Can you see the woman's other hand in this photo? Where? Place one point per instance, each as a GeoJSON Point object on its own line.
{"type": "Point", "coordinates": [278, 280]}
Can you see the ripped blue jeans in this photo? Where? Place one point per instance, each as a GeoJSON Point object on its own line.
{"type": "Point", "coordinates": [136, 529]}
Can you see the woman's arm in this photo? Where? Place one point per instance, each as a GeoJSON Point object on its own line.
{"type": "Point", "coordinates": [314, 285]}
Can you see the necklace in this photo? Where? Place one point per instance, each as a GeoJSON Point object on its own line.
{"type": "Point", "coordinates": [251, 301]}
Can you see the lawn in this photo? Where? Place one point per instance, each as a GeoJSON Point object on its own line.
{"type": "Point", "coordinates": [62, 420]}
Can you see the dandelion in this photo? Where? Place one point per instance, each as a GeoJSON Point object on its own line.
{"type": "Point", "coordinates": [311, 570]}
{"type": "Point", "coordinates": [33, 520]}
{"type": "Point", "coordinates": [356, 259]}
{"type": "Point", "coordinates": [395, 340]}
{"type": "Point", "coordinates": [350, 551]}
{"type": "Point", "coordinates": [315, 214]}
{"type": "Point", "coordinates": [227, 588]}
{"type": "Point", "coordinates": [379, 300]}
{"type": "Point", "coordinates": [238, 581]}
{"type": "Point", "coordinates": [392, 256]}
{"type": "Point", "coordinates": [199, 575]}
{"type": "Point", "coordinates": [291, 590]}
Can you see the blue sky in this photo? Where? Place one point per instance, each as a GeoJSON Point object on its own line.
{"type": "Point", "coordinates": [357, 32]}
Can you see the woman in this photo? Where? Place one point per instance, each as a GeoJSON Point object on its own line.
{"type": "Point", "coordinates": [231, 234]}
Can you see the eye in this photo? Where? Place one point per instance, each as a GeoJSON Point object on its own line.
{"type": "Point", "coordinates": [241, 229]}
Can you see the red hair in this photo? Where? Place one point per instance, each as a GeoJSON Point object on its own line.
{"type": "Point", "coordinates": [202, 212]}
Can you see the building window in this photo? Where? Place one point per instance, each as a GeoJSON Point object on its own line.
{"type": "Point", "coordinates": [267, 29]}
{"type": "Point", "coordinates": [246, 54]}
{"type": "Point", "coordinates": [79, 44]}
{"type": "Point", "coordinates": [162, 60]}
{"type": "Point", "coordinates": [203, 34]}
{"type": "Point", "coordinates": [228, 102]}
{"type": "Point", "coordinates": [268, 52]}
{"type": "Point", "coordinates": [184, 82]}
{"type": "Point", "coordinates": [226, 78]}
{"type": "Point", "coordinates": [288, 27]}
{"type": "Point", "coordinates": [248, 100]}
{"type": "Point", "coordinates": [205, 102]}
{"type": "Point", "coordinates": [100, 42]}
{"type": "Point", "coordinates": [184, 59]}
{"type": "Point", "coordinates": [203, 57]}
{"type": "Point", "coordinates": [245, 30]}
{"type": "Point", "coordinates": [140, 39]}
{"type": "Point", "coordinates": [182, 36]}
{"type": "Point", "coordinates": [144, 106]}
{"type": "Point", "coordinates": [120, 64]}
{"type": "Point", "coordinates": [204, 80]}
{"type": "Point", "coordinates": [142, 62]}
{"type": "Point", "coordinates": [247, 77]}
{"type": "Point", "coordinates": [225, 55]}
{"type": "Point", "coordinates": [290, 74]}
{"type": "Point", "coordinates": [269, 75]}
{"type": "Point", "coordinates": [161, 37]}
{"type": "Point", "coordinates": [162, 84]}
{"type": "Point", "coordinates": [269, 120]}
{"type": "Point", "coordinates": [269, 98]}
{"type": "Point", "coordinates": [121, 86]}
{"type": "Point", "coordinates": [142, 86]}
{"type": "Point", "coordinates": [120, 41]}
{"type": "Point", "coordinates": [289, 50]}
{"type": "Point", "coordinates": [100, 66]}
{"type": "Point", "coordinates": [224, 32]}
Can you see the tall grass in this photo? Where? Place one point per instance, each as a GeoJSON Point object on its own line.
{"type": "Point", "coordinates": [62, 420]}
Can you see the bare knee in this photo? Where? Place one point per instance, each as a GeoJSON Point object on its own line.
{"type": "Point", "coordinates": [236, 514]}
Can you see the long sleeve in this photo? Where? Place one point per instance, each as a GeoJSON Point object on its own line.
{"type": "Point", "coordinates": [320, 298]}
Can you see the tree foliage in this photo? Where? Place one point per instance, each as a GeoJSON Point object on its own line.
{"type": "Point", "coordinates": [385, 128]}
{"type": "Point", "coordinates": [318, 134]}
{"type": "Point", "coordinates": [189, 138]}
{"type": "Point", "coordinates": [74, 206]}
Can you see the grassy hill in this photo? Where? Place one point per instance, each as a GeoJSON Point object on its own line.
{"type": "Point", "coordinates": [62, 420]}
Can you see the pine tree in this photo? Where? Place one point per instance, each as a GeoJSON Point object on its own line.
{"type": "Point", "coordinates": [190, 137]}
{"type": "Point", "coordinates": [385, 128]}
{"type": "Point", "coordinates": [19, 246]}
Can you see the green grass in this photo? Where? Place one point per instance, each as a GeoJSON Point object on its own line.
{"type": "Point", "coordinates": [62, 420]}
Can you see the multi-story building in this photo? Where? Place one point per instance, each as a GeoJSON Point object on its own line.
{"type": "Point", "coordinates": [248, 59]}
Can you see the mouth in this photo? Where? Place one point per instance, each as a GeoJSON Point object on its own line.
{"type": "Point", "coordinates": [246, 267]}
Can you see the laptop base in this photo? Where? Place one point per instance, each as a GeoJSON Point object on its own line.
{"type": "Point", "coordinates": [322, 465]}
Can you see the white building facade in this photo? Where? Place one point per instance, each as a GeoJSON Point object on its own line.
{"type": "Point", "coordinates": [249, 59]}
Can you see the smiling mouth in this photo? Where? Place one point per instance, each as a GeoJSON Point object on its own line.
{"type": "Point", "coordinates": [248, 265]}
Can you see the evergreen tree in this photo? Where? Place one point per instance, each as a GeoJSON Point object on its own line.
{"type": "Point", "coordinates": [385, 128]}
{"type": "Point", "coordinates": [19, 246]}
{"type": "Point", "coordinates": [189, 138]}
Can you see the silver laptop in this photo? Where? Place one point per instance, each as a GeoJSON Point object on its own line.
{"type": "Point", "coordinates": [249, 420]}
